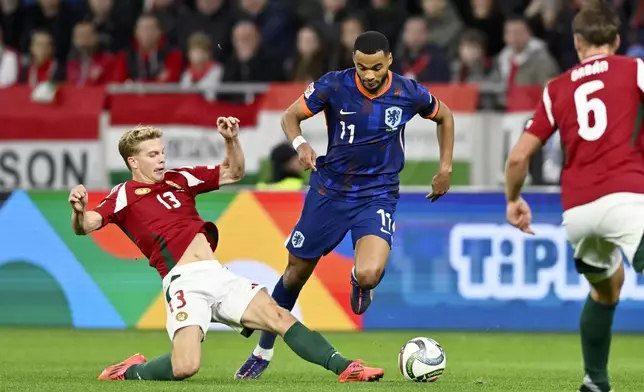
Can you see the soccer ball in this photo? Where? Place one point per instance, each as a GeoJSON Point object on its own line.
{"type": "Point", "coordinates": [422, 360]}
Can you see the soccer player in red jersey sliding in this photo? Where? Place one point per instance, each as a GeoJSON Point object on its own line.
{"type": "Point", "coordinates": [156, 209]}
{"type": "Point", "coordinates": [595, 106]}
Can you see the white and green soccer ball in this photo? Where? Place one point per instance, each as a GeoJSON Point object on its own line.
{"type": "Point", "coordinates": [422, 360]}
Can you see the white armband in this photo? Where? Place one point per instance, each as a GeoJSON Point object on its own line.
{"type": "Point", "coordinates": [298, 141]}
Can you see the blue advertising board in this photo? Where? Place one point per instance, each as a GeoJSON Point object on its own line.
{"type": "Point", "coordinates": [457, 264]}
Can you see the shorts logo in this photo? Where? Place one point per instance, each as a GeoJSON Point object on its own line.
{"type": "Point", "coordinates": [309, 90]}
{"type": "Point", "coordinates": [142, 191]}
{"type": "Point", "coordinates": [253, 285]}
{"type": "Point", "coordinates": [297, 239]}
{"type": "Point", "coordinates": [182, 316]}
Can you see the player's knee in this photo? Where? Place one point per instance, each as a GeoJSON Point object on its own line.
{"type": "Point", "coordinates": [368, 277]}
{"type": "Point", "coordinates": [606, 297]}
{"type": "Point", "coordinates": [186, 367]}
{"type": "Point", "coordinates": [291, 281]}
{"type": "Point", "coordinates": [607, 291]}
{"type": "Point", "coordinates": [297, 273]}
{"type": "Point", "coordinates": [278, 319]}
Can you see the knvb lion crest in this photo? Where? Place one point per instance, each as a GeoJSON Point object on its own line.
{"type": "Point", "coordinates": [393, 117]}
{"type": "Point", "coordinates": [297, 239]}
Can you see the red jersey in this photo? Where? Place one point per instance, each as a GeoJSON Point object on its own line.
{"type": "Point", "coordinates": [596, 108]}
{"type": "Point", "coordinates": [162, 219]}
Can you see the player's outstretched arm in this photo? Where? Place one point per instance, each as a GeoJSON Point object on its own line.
{"type": "Point", "coordinates": [291, 120]}
{"type": "Point", "coordinates": [233, 167]}
{"type": "Point", "coordinates": [83, 222]}
{"type": "Point", "coordinates": [536, 133]}
{"type": "Point", "coordinates": [516, 170]}
{"type": "Point", "coordinates": [516, 166]}
{"type": "Point", "coordinates": [445, 134]}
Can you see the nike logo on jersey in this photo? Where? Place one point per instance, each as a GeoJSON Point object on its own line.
{"type": "Point", "coordinates": [343, 113]}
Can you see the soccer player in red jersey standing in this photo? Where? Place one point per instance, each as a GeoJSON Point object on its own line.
{"type": "Point", "coordinates": [156, 209]}
{"type": "Point", "coordinates": [595, 106]}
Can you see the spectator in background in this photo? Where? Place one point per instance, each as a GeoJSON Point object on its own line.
{"type": "Point", "coordinates": [114, 31]}
{"type": "Point", "coordinates": [276, 25]}
{"type": "Point", "coordinates": [213, 18]}
{"type": "Point", "coordinates": [286, 170]}
{"type": "Point", "coordinates": [551, 20]}
{"type": "Point", "coordinates": [150, 59]}
{"type": "Point", "coordinates": [304, 10]}
{"type": "Point", "coordinates": [56, 17]}
{"type": "Point", "coordinates": [87, 64]}
{"type": "Point", "coordinates": [41, 66]}
{"type": "Point", "coordinates": [342, 57]}
{"type": "Point", "coordinates": [9, 65]}
{"type": "Point", "coordinates": [487, 17]}
{"type": "Point", "coordinates": [513, 7]}
{"type": "Point", "coordinates": [250, 63]}
{"type": "Point", "coordinates": [310, 61]}
{"type": "Point", "coordinates": [444, 24]}
{"type": "Point", "coordinates": [167, 12]}
{"type": "Point", "coordinates": [463, 9]}
{"type": "Point", "coordinates": [386, 16]}
{"type": "Point", "coordinates": [330, 17]}
{"type": "Point", "coordinates": [525, 60]}
{"type": "Point", "coordinates": [417, 58]}
{"type": "Point", "coordinates": [472, 64]}
{"type": "Point", "coordinates": [11, 22]}
{"type": "Point", "coordinates": [542, 15]}
{"type": "Point", "coordinates": [202, 70]}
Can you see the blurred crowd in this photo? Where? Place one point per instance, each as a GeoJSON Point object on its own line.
{"type": "Point", "coordinates": [205, 42]}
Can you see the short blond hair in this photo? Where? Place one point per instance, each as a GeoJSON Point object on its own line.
{"type": "Point", "coordinates": [200, 41]}
{"type": "Point", "coordinates": [130, 140]}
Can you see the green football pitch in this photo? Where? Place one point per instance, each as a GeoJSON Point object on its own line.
{"type": "Point", "coordinates": [70, 360]}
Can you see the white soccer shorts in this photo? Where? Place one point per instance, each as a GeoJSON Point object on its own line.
{"type": "Point", "coordinates": [599, 229]}
{"type": "Point", "coordinates": [202, 292]}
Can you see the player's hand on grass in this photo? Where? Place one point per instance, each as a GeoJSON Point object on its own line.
{"type": "Point", "coordinates": [307, 156]}
{"type": "Point", "coordinates": [228, 127]}
{"type": "Point", "coordinates": [78, 198]}
{"type": "Point", "coordinates": [519, 215]}
{"type": "Point", "coordinates": [440, 185]}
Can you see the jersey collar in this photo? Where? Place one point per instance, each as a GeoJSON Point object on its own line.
{"type": "Point", "coordinates": [595, 57]}
{"type": "Point", "coordinates": [366, 93]}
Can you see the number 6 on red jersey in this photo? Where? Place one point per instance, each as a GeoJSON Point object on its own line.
{"type": "Point", "coordinates": [595, 106]}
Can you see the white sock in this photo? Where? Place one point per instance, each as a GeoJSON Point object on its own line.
{"type": "Point", "coordinates": [353, 272]}
{"type": "Point", "coordinates": [263, 353]}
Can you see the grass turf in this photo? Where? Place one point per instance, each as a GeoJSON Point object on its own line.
{"type": "Point", "coordinates": [70, 360]}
